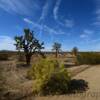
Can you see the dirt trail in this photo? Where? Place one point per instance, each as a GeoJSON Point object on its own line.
{"type": "Point", "coordinates": [92, 75]}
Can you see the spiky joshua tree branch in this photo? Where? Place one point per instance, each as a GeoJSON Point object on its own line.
{"type": "Point", "coordinates": [29, 44]}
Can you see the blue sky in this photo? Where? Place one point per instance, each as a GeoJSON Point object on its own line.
{"type": "Point", "coordinates": [69, 22]}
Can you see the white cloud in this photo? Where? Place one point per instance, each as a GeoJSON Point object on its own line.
{"type": "Point", "coordinates": [69, 23]}
{"type": "Point", "coordinates": [45, 10]}
{"type": "Point", "coordinates": [53, 31]}
{"type": "Point", "coordinates": [6, 43]}
{"type": "Point", "coordinates": [23, 7]}
{"type": "Point", "coordinates": [86, 34]}
{"type": "Point", "coordinates": [97, 13]}
{"type": "Point", "coordinates": [55, 12]}
{"type": "Point", "coordinates": [97, 23]}
{"type": "Point", "coordinates": [56, 8]}
{"type": "Point", "coordinates": [95, 41]}
{"type": "Point", "coordinates": [88, 39]}
{"type": "Point", "coordinates": [93, 44]}
{"type": "Point", "coordinates": [44, 27]}
{"type": "Point", "coordinates": [97, 19]}
{"type": "Point", "coordinates": [28, 21]}
{"type": "Point", "coordinates": [32, 23]}
{"type": "Point", "coordinates": [83, 36]}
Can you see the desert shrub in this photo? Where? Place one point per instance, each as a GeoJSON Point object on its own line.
{"type": "Point", "coordinates": [76, 86]}
{"type": "Point", "coordinates": [41, 68]}
{"type": "Point", "coordinates": [89, 58]}
{"type": "Point", "coordinates": [56, 84]}
{"type": "Point", "coordinates": [4, 56]}
{"type": "Point", "coordinates": [49, 77]}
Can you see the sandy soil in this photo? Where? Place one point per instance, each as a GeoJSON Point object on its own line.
{"type": "Point", "coordinates": [92, 76]}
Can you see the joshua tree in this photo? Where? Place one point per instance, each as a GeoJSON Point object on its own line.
{"type": "Point", "coordinates": [29, 44]}
{"type": "Point", "coordinates": [56, 48]}
{"type": "Point", "coordinates": [75, 51]}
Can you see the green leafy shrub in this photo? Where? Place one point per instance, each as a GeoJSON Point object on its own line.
{"type": "Point", "coordinates": [4, 56]}
{"type": "Point", "coordinates": [89, 58]}
{"type": "Point", "coordinates": [49, 77]}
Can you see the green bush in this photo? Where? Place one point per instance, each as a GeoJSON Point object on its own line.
{"type": "Point", "coordinates": [89, 58]}
{"type": "Point", "coordinates": [49, 77]}
{"type": "Point", "coordinates": [78, 86]}
{"type": "Point", "coordinates": [4, 56]}
{"type": "Point", "coordinates": [56, 84]}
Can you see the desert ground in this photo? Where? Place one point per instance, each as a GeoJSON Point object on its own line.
{"type": "Point", "coordinates": [18, 87]}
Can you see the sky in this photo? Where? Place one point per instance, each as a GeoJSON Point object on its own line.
{"type": "Point", "coordinates": [73, 23]}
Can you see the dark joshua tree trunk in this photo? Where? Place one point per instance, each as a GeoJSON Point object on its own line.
{"type": "Point", "coordinates": [28, 59]}
{"type": "Point", "coordinates": [56, 53]}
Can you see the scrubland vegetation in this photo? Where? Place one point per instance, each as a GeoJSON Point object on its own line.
{"type": "Point", "coordinates": [3, 56]}
{"type": "Point", "coordinates": [91, 58]}
{"type": "Point", "coordinates": [1, 81]}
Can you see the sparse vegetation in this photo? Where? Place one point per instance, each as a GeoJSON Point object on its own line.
{"type": "Point", "coordinates": [89, 58]}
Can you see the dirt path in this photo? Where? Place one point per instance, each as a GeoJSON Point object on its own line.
{"type": "Point", "coordinates": [92, 76]}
